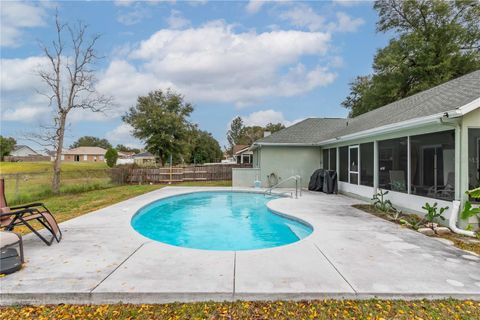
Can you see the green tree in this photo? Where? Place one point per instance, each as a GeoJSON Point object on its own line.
{"type": "Point", "coordinates": [251, 134]}
{"type": "Point", "coordinates": [436, 41]}
{"type": "Point", "coordinates": [204, 148]}
{"type": "Point", "coordinates": [160, 120]}
{"type": "Point", "coordinates": [122, 148]}
{"type": "Point", "coordinates": [6, 146]}
{"type": "Point", "coordinates": [89, 141]}
{"type": "Point", "coordinates": [274, 127]}
{"type": "Point", "coordinates": [111, 156]}
{"type": "Point", "coordinates": [234, 133]}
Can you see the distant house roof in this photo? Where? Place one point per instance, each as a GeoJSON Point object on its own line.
{"type": "Point", "coordinates": [85, 150]}
{"type": "Point", "coordinates": [451, 96]}
{"type": "Point", "coordinates": [19, 147]}
{"type": "Point", "coordinates": [239, 147]}
{"type": "Point", "coordinates": [143, 155]}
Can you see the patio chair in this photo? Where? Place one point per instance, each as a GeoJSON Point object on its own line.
{"type": "Point", "coordinates": [11, 217]}
{"type": "Point", "coordinates": [444, 192]}
{"type": "Point", "coordinates": [10, 259]}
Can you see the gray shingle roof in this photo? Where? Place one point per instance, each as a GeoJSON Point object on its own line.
{"type": "Point", "coordinates": [445, 97]}
{"type": "Point", "coordinates": [308, 131]}
{"type": "Point", "coordinates": [448, 96]}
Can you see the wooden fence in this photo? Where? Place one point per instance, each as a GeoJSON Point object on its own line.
{"type": "Point", "coordinates": [179, 174]}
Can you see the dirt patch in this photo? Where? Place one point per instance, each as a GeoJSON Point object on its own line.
{"type": "Point", "coordinates": [408, 220]}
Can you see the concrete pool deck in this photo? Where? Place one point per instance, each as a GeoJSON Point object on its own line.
{"type": "Point", "coordinates": [350, 254]}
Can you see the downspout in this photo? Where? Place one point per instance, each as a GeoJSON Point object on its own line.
{"type": "Point", "coordinates": [452, 222]}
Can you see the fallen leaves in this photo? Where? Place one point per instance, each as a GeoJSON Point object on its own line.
{"type": "Point", "coordinates": [320, 309]}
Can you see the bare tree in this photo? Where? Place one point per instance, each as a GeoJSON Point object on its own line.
{"type": "Point", "coordinates": [70, 79]}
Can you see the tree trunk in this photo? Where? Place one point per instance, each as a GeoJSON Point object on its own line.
{"type": "Point", "coordinates": [58, 155]}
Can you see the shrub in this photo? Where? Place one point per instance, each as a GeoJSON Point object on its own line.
{"type": "Point", "coordinates": [111, 156]}
{"type": "Point", "coordinates": [433, 213]}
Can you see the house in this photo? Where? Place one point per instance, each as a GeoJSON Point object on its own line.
{"type": "Point", "coordinates": [84, 154]}
{"type": "Point", "coordinates": [424, 148]}
{"type": "Point", "coordinates": [144, 159]}
{"type": "Point", "coordinates": [242, 154]}
{"type": "Point", "coordinates": [23, 151]}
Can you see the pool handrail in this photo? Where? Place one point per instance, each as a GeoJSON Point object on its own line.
{"type": "Point", "coordinates": [297, 178]}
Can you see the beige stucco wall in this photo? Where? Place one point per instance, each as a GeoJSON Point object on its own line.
{"type": "Point", "coordinates": [287, 161]}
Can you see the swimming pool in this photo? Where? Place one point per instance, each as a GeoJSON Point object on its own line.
{"type": "Point", "coordinates": [220, 220]}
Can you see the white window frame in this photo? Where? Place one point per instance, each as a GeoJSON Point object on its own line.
{"type": "Point", "coordinates": [85, 157]}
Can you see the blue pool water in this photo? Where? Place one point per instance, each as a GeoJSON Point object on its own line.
{"type": "Point", "coordinates": [217, 221]}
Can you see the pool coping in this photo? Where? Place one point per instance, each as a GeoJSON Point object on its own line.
{"type": "Point", "coordinates": [311, 268]}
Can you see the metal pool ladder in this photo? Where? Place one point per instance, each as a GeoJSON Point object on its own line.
{"type": "Point", "coordinates": [298, 185]}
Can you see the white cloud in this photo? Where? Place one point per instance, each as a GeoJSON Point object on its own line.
{"type": "Point", "coordinates": [304, 16]}
{"type": "Point", "coordinates": [176, 20]}
{"type": "Point", "coordinates": [123, 135]}
{"type": "Point", "coordinates": [350, 3]}
{"type": "Point", "coordinates": [16, 16]}
{"type": "Point", "coordinates": [123, 3]}
{"type": "Point", "coordinates": [263, 117]}
{"type": "Point", "coordinates": [345, 23]}
{"type": "Point", "coordinates": [20, 74]}
{"type": "Point", "coordinates": [254, 6]}
{"type": "Point", "coordinates": [25, 114]}
{"type": "Point", "coordinates": [214, 63]}
{"type": "Point", "coordinates": [133, 16]}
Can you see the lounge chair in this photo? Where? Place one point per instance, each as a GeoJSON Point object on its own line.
{"type": "Point", "coordinates": [11, 217]}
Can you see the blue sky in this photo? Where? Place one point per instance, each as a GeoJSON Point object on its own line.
{"type": "Point", "coordinates": [274, 61]}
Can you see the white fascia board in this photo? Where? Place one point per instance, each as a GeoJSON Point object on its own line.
{"type": "Point", "coordinates": [469, 107]}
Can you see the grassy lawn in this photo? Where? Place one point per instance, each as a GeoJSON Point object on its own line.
{"type": "Point", "coordinates": [325, 309]}
{"type": "Point", "coordinates": [68, 206]}
{"type": "Point", "coordinates": [47, 166]}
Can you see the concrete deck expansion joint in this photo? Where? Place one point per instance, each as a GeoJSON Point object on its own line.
{"type": "Point", "coordinates": [350, 254]}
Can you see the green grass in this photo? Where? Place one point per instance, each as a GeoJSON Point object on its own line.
{"type": "Point", "coordinates": [68, 206]}
{"type": "Point", "coordinates": [278, 310]}
{"type": "Point", "coordinates": [47, 166]}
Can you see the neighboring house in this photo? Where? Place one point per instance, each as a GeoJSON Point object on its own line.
{"type": "Point", "coordinates": [144, 159]}
{"type": "Point", "coordinates": [23, 151]}
{"type": "Point", "coordinates": [84, 154]}
{"type": "Point", "coordinates": [424, 148]}
{"type": "Point", "coordinates": [125, 154]}
{"type": "Point", "coordinates": [242, 154]}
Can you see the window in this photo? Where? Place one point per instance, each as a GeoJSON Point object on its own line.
{"type": "Point", "coordinates": [433, 165]}
{"type": "Point", "coordinates": [366, 164]}
{"type": "Point", "coordinates": [353, 164]}
{"type": "Point", "coordinates": [76, 158]}
{"type": "Point", "coordinates": [343, 164]}
{"type": "Point", "coordinates": [85, 157]}
{"type": "Point", "coordinates": [325, 159]}
{"type": "Point", "coordinates": [333, 159]}
{"type": "Point", "coordinates": [330, 159]}
{"type": "Point", "coordinates": [473, 158]}
{"type": "Point", "coordinates": [392, 164]}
